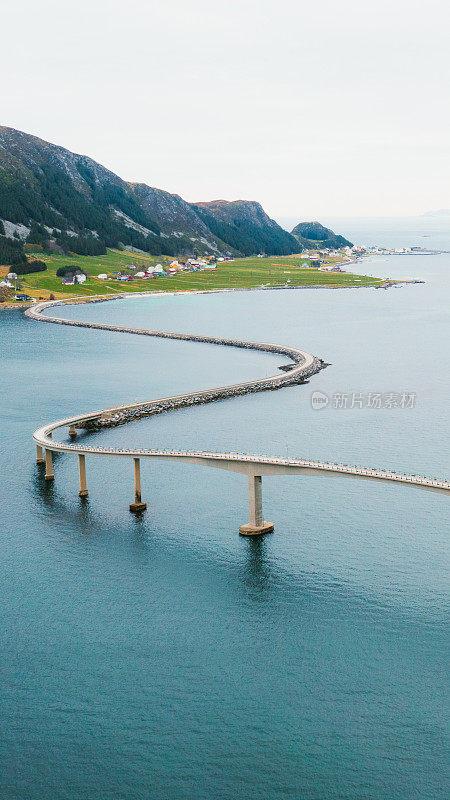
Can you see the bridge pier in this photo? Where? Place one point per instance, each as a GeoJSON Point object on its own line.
{"type": "Point", "coordinates": [138, 505]}
{"type": "Point", "coordinates": [82, 470]}
{"type": "Point", "coordinates": [256, 525]}
{"type": "Point", "coordinates": [49, 466]}
{"type": "Point", "coordinates": [39, 455]}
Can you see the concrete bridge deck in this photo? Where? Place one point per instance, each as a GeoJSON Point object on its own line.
{"type": "Point", "coordinates": [255, 467]}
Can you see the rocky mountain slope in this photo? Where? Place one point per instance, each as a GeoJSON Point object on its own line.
{"type": "Point", "coordinates": [245, 226]}
{"type": "Point", "coordinates": [62, 200]}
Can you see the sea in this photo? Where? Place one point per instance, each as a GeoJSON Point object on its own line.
{"type": "Point", "coordinates": [163, 656]}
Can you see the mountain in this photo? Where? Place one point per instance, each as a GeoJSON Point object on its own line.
{"type": "Point", "coordinates": [441, 212]}
{"type": "Point", "coordinates": [175, 217]}
{"type": "Point", "coordinates": [245, 226]}
{"type": "Point", "coordinates": [68, 202]}
{"type": "Point", "coordinates": [315, 235]}
{"type": "Point", "coordinates": [49, 193]}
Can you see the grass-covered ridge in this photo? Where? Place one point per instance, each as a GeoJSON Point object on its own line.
{"type": "Point", "coordinates": [274, 271]}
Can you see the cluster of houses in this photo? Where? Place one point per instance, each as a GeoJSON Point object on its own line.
{"type": "Point", "coordinates": [318, 255]}
{"type": "Point", "coordinates": [158, 271]}
{"type": "Point", "coordinates": [385, 251]}
{"type": "Point", "coordinates": [349, 254]}
{"type": "Point", "coordinates": [10, 282]}
{"type": "Point", "coordinates": [357, 250]}
{"type": "Point", "coordinates": [331, 268]}
{"type": "Point", "coordinates": [316, 258]}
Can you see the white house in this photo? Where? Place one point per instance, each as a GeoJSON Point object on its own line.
{"type": "Point", "coordinates": [103, 276]}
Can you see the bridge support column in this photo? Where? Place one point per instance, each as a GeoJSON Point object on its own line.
{"type": "Point", "coordinates": [138, 505]}
{"type": "Point", "coordinates": [256, 525]}
{"type": "Point", "coordinates": [82, 470]}
{"type": "Point", "coordinates": [72, 432]}
{"type": "Point", "coordinates": [39, 455]}
{"type": "Point", "coordinates": [49, 466]}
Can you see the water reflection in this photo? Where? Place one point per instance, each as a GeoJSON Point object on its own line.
{"type": "Point", "coordinates": [257, 571]}
{"type": "Point", "coordinates": [81, 517]}
{"type": "Point", "coordinates": [43, 489]}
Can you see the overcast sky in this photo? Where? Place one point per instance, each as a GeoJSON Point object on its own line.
{"type": "Point", "coordinates": [312, 108]}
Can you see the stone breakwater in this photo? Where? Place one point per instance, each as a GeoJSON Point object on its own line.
{"type": "Point", "coordinates": [302, 367]}
{"type": "Point", "coordinates": [120, 417]}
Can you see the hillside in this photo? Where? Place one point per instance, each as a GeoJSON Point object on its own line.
{"type": "Point", "coordinates": [177, 218]}
{"type": "Point", "coordinates": [245, 226]}
{"type": "Point", "coordinates": [65, 202]}
{"type": "Point", "coordinates": [48, 192]}
{"type": "Point", "coordinates": [315, 235]}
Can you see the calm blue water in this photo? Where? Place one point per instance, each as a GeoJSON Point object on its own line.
{"type": "Point", "coordinates": [166, 657]}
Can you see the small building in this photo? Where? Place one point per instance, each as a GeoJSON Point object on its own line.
{"type": "Point", "coordinates": [103, 276]}
{"type": "Point", "coordinates": [70, 278]}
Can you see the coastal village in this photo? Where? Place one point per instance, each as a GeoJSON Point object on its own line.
{"type": "Point", "coordinates": [137, 272]}
{"type": "Point", "coordinates": [75, 276]}
{"type": "Point", "coordinates": [135, 268]}
{"type": "Point", "coordinates": [175, 267]}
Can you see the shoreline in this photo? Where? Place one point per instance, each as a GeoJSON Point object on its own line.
{"type": "Point", "coordinates": [98, 298]}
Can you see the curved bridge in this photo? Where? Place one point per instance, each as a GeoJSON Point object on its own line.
{"type": "Point", "coordinates": [255, 467]}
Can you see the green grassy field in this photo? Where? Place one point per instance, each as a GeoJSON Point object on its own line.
{"type": "Point", "coordinates": [241, 273]}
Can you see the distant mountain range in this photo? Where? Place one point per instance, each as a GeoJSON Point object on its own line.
{"type": "Point", "coordinates": [52, 197]}
{"type": "Point", "coordinates": [441, 212]}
